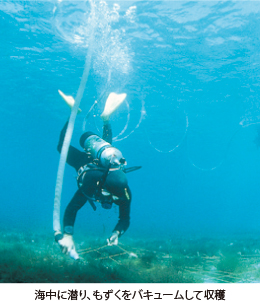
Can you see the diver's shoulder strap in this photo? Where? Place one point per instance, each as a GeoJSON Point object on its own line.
{"type": "Point", "coordinates": [87, 167]}
{"type": "Point", "coordinates": [90, 200]}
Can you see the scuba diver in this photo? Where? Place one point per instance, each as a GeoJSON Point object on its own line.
{"type": "Point", "coordinates": [100, 177]}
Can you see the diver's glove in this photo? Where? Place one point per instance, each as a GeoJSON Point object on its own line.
{"type": "Point", "coordinates": [67, 246]}
{"type": "Point", "coordinates": [113, 240]}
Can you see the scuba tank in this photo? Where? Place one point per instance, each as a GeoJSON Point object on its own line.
{"type": "Point", "coordinates": [101, 150]}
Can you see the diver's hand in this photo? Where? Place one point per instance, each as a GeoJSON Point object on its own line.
{"type": "Point", "coordinates": [67, 246]}
{"type": "Point", "coordinates": [113, 240]}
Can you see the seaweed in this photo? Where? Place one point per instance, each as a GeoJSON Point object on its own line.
{"type": "Point", "coordinates": [31, 258]}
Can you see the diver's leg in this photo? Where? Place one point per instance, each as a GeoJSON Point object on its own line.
{"type": "Point", "coordinates": [112, 103]}
{"type": "Point", "coordinates": [107, 132]}
{"type": "Point", "coordinates": [62, 135]}
{"type": "Point", "coordinates": [75, 157]}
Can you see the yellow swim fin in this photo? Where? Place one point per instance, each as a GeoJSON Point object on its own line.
{"type": "Point", "coordinates": [68, 99]}
{"type": "Point", "coordinates": [113, 102]}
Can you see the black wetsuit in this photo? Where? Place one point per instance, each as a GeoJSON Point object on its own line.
{"type": "Point", "coordinates": [115, 183]}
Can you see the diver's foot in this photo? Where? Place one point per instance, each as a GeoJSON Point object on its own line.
{"type": "Point", "coordinates": [70, 101]}
{"type": "Point", "coordinates": [105, 118]}
{"type": "Point", "coordinates": [112, 103]}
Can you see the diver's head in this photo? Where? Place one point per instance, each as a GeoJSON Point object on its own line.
{"type": "Point", "coordinates": [117, 184]}
{"type": "Point", "coordinates": [102, 151]}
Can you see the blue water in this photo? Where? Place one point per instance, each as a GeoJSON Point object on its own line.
{"type": "Point", "coordinates": [191, 73]}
